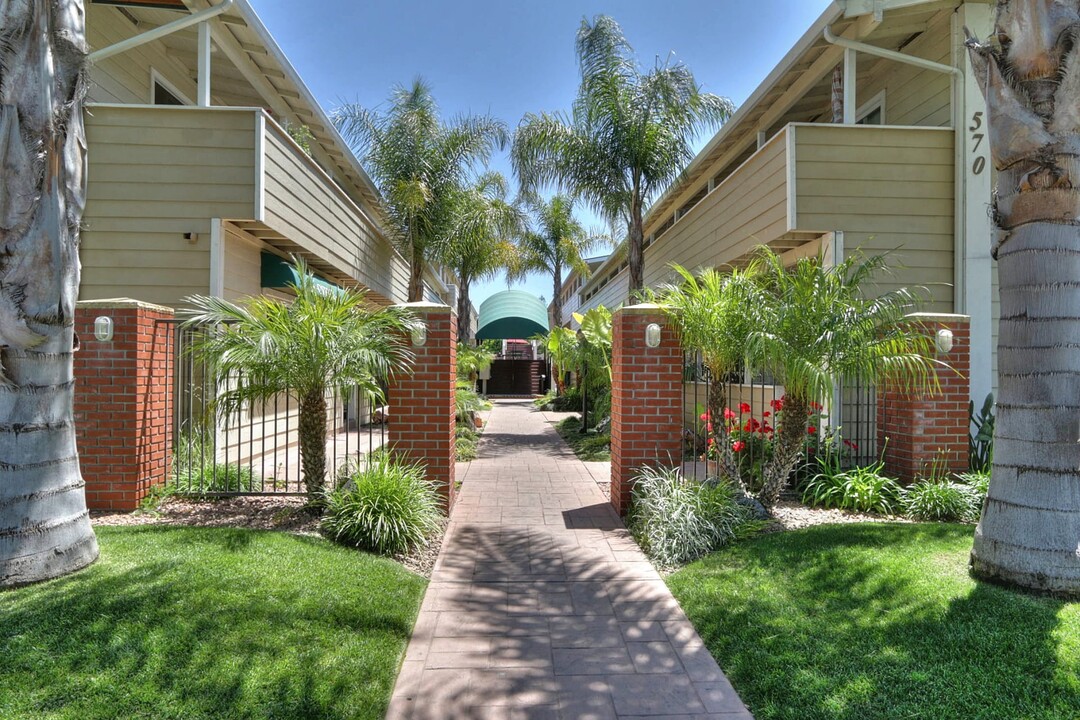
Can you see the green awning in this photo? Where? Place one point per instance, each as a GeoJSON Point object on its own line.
{"type": "Point", "coordinates": [279, 274]}
{"type": "Point", "coordinates": [511, 315]}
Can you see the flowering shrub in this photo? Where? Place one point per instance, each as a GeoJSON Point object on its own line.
{"type": "Point", "coordinates": [752, 440]}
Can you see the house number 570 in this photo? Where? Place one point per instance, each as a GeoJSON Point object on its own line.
{"type": "Point", "coordinates": [979, 164]}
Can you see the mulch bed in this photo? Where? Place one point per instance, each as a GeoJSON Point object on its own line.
{"type": "Point", "coordinates": [283, 514]}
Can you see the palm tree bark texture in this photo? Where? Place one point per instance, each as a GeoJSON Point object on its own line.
{"type": "Point", "coordinates": [44, 524]}
{"type": "Point", "coordinates": [1029, 532]}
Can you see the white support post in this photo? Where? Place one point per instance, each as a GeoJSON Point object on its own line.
{"type": "Point", "coordinates": [217, 258]}
{"type": "Point", "coordinates": [973, 266]}
{"type": "Point", "coordinates": [204, 64]}
{"type": "Point", "coordinates": [850, 80]}
{"type": "Point", "coordinates": [761, 139]}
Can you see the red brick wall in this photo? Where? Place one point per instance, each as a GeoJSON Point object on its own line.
{"type": "Point", "coordinates": [646, 399]}
{"type": "Point", "coordinates": [123, 391]}
{"type": "Point", "coordinates": [922, 428]}
{"type": "Point", "coordinates": [421, 427]}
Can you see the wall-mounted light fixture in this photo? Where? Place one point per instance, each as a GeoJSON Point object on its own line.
{"type": "Point", "coordinates": [652, 335]}
{"type": "Point", "coordinates": [944, 340]}
{"type": "Point", "coordinates": [419, 335]}
{"type": "Point", "coordinates": [103, 328]}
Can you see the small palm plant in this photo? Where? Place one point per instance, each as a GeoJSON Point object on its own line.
{"type": "Point", "coordinates": [809, 326]}
{"type": "Point", "coordinates": [322, 341]}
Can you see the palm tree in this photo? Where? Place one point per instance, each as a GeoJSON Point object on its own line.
{"type": "Point", "coordinates": [628, 137]}
{"type": "Point", "coordinates": [418, 162]}
{"type": "Point", "coordinates": [324, 340]}
{"type": "Point", "coordinates": [1030, 523]}
{"type": "Point", "coordinates": [44, 525]}
{"type": "Point", "coordinates": [809, 326]}
{"type": "Point", "coordinates": [481, 240]}
{"type": "Point", "coordinates": [558, 243]}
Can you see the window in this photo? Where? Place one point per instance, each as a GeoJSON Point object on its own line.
{"type": "Point", "coordinates": [162, 92]}
{"type": "Point", "coordinates": [872, 112]}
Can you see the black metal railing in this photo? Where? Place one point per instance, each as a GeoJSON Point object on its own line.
{"type": "Point", "coordinates": [743, 411]}
{"type": "Point", "coordinates": [256, 449]}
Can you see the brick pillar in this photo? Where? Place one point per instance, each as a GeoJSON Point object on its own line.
{"type": "Point", "coordinates": [422, 411]}
{"type": "Point", "coordinates": [123, 395]}
{"type": "Point", "coordinates": [926, 428]}
{"type": "Point", "coordinates": [646, 399]}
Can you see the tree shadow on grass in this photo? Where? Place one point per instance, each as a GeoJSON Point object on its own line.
{"type": "Point", "coordinates": [877, 621]}
{"type": "Point", "coordinates": [207, 623]}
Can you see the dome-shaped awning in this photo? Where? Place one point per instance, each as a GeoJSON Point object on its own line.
{"type": "Point", "coordinates": [511, 315]}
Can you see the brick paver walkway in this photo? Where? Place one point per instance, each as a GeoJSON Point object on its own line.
{"type": "Point", "coordinates": [542, 606]}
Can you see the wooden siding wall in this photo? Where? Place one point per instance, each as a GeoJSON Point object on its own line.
{"type": "Point", "coordinates": [747, 209]}
{"type": "Point", "coordinates": [889, 190]}
{"type": "Point", "coordinates": [153, 177]}
{"type": "Point", "coordinates": [913, 96]}
{"type": "Point", "coordinates": [306, 206]}
{"type": "Point", "coordinates": [125, 78]}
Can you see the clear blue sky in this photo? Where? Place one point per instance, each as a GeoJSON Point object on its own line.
{"type": "Point", "coordinates": [508, 58]}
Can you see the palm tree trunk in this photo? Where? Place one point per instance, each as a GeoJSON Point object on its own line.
{"type": "Point", "coordinates": [790, 440]}
{"type": "Point", "coordinates": [416, 277]}
{"type": "Point", "coordinates": [464, 332]}
{"type": "Point", "coordinates": [636, 251]}
{"type": "Point", "coordinates": [556, 297]}
{"type": "Point", "coordinates": [44, 525]}
{"type": "Point", "coordinates": [313, 442]}
{"type": "Point", "coordinates": [1030, 523]}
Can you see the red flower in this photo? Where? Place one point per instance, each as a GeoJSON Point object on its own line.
{"type": "Point", "coordinates": [766, 428]}
{"type": "Point", "coordinates": [738, 445]}
{"type": "Point", "coordinates": [777, 404]}
{"type": "Point", "coordinates": [729, 414]}
{"type": "Point", "coordinates": [766, 414]}
{"type": "Point", "coordinates": [711, 441]}
{"type": "Point", "coordinates": [851, 445]}
{"type": "Point", "coordinates": [708, 427]}
{"type": "Point", "coordinates": [744, 407]}
{"type": "Point", "coordinates": [704, 417]}
{"type": "Point", "coordinates": [815, 406]}
{"type": "Point", "coordinates": [811, 430]}
{"type": "Point", "coordinates": [751, 425]}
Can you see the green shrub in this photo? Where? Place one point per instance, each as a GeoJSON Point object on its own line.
{"type": "Point", "coordinates": [195, 471]}
{"type": "Point", "coordinates": [385, 507]}
{"type": "Point", "coordinates": [863, 489]}
{"type": "Point", "coordinates": [942, 500]}
{"type": "Point", "coordinates": [467, 402]}
{"type": "Point", "coordinates": [211, 477]}
{"type": "Point", "coordinates": [466, 439]}
{"type": "Point", "coordinates": [676, 519]}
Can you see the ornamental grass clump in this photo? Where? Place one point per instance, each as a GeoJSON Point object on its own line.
{"type": "Point", "coordinates": [862, 489]}
{"type": "Point", "coordinates": [942, 500]}
{"type": "Point", "coordinates": [385, 507]}
{"type": "Point", "coordinates": [676, 519]}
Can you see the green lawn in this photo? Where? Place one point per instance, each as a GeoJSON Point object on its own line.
{"type": "Point", "coordinates": [880, 621]}
{"type": "Point", "coordinates": [208, 623]}
{"type": "Point", "coordinates": [589, 447]}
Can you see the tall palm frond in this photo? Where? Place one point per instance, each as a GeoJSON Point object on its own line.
{"type": "Point", "coordinates": [419, 164]}
{"type": "Point", "coordinates": [483, 230]}
{"type": "Point", "coordinates": [629, 135]}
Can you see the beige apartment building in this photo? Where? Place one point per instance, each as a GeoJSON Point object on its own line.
{"type": "Point", "coordinates": [905, 169]}
{"type": "Point", "coordinates": [210, 163]}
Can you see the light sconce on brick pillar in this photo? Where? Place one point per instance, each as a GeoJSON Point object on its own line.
{"type": "Point", "coordinates": [929, 431]}
{"type": "Point", "coordinates": [646, 397]}
{"type": "Point", "coordinates": [123, 399]}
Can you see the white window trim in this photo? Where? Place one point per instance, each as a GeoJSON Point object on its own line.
{"type": "Point", "coordinates": [158, 78]}
{"type": "Point", "coordinates": [878, 101]}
